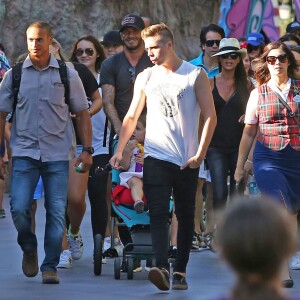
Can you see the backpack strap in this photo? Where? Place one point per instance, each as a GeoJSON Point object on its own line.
{"type": "Point", "coordinates": [64, 79]}
{"type": "Point", "coordinates": [16, 81]}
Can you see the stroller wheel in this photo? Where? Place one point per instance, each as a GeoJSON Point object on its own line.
{"type": "Point", "coordinates": [97, 254]}
{"type": "Point", "coordinates": [129, 268]}
{"type": "Point", "coordinates": [117, 267]}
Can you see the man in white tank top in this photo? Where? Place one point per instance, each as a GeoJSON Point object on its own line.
{"type": "Point", "coordinates": [175, 92]}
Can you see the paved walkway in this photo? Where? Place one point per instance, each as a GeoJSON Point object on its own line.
{"type": "Point", "coordinates": [208, 277]}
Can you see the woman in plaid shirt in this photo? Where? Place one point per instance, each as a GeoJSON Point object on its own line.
{"type": "Point", "coordinates": [276, 156]}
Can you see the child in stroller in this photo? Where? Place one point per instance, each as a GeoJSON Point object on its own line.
{"type": "Point", "coordinates": [132, 163]}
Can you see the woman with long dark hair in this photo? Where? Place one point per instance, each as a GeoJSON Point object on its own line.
{"type": "Point", "coordinates": [230, 91]}
{"type": "Point", "coordinates": [89, 51]}
{"type": "Point", "coordinates": [273, 112]}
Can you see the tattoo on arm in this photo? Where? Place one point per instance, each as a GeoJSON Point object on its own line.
{"type": "Point", "coordinates": [108, 97]}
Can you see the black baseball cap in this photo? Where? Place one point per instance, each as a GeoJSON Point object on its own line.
{"type": "Point", "coordinates": [292, 27]}
{"type": "Point", "coordinates": [132, 20]}
{"type": "Point", "coordinates": [112, 38]}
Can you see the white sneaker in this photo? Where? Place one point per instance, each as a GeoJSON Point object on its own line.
{"type": "Point", "coordinates": [118, 246]}
{"type": "Point", "coordinates": [65, 260]}
{"type": "Point", "coordinates": [295, 261]}
{"type": "Point", "coordinates": [104, 260]}
{"type": "Point", "coordinates": [107, 243]}
{"type": "Point", "coordinates": [75, 245]}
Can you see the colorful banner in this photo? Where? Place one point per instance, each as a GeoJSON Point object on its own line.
{"type": "Point", "coordinates": [241, 17]}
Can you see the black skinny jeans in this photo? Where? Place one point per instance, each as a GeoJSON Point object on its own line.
{"type": "Point", "coordinates": [97, 191]}
{"type": "Point", "coordinates": [161, 178]}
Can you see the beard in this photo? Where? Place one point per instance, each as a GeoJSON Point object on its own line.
{"type": "Point", "coordinates": [133, 47]}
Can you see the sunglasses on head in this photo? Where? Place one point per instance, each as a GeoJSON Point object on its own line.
{"type": "Point", "coordinates": [271, 60]}
{"type": "Point", "coordinates": [232, 55]}
{"type": "Point", "coordinates": [88, 51]}
{"type": "Point", "coordinates": [251, 48]}
{"type": "Point", "coordinates": [210, 43]}
{"type": "Point", "coordinates": [132, 74]}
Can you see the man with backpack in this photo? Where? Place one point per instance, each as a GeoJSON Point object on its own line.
{"type": "Point", "coordinates": [42, 144]}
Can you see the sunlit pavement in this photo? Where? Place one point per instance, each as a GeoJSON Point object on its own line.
{"type": "Point", "coordinates": [207, 277]}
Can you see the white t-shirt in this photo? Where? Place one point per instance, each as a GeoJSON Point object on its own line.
{"type": "Point", "coordinates": [172, 113]}
{"type": "Point", "coordinates": [98, 126]}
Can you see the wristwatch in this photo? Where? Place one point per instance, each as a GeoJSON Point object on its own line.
{"type": "Point", "coordinates": [90, 150]}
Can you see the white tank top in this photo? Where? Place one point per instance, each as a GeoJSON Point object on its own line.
{"type": "Point", "coordinates": [172, 113]}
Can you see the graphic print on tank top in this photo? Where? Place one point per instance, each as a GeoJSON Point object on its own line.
{"type": "Point", "coordinates": [168, 93]}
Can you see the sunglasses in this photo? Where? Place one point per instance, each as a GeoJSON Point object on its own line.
{"type": "Point", "coordinates": [88, 51]}
{"type": "Point", "coordinates": [132, 74]}
{"type": "Point", "coordinates": [271, 60]}
{"type": "Point", "coordinates": [251, 48]}
{"type": "Point", "coordinates": [210, 43]}
{"type": "Point", "coordinates": [232, 55]}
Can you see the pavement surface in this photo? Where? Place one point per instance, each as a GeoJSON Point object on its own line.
{"type": "Point", "coordinates": [208, 277]}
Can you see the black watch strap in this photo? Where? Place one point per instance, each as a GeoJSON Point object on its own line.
{"type": "Point", "coordinates": [88, 149]}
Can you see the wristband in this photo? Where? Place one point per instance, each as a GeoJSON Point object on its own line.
{"type": "Point", "coordinates": [249, 161]}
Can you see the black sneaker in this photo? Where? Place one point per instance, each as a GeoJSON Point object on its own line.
{"type": "Point", "coordinates": [172, 253]}
{"type": "Point", "coordinates": [160, 278]}
{"type": "Point", "coordinates": [179, 282]}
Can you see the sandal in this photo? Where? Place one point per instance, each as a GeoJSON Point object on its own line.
{"type": "Point", "coordinates": [210, 241]}
{"type": "Point", "coordinates": [139, 206]}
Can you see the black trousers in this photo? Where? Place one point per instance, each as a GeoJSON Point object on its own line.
{"type": "Point", "coordinates": [161, 179]}
{"type": "Point", "coordinates": [97, 191]}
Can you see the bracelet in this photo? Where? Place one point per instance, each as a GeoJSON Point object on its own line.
{"type": "Point", "coordinates": [249, 161]}
{"type": "Point", "coordinates": [90, 112]}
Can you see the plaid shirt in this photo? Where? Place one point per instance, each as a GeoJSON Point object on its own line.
{"type": "Point", "coordinates": [277, 129]}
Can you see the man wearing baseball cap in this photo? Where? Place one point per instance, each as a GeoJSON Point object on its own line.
{"type": "Point", "coordinates": [255, 44]}
{"type": "Point", "coordinates": [112, 43]}
{"type": "Point", "coordinates": [118, 73]}
{"type": "Point", "coordinates": [293, 27]}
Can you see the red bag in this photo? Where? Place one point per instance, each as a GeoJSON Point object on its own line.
{"type": "Point", "coordinates": [122, 195]}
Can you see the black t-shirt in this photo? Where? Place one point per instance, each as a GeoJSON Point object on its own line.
{"type": "Point", "coordinates": [90, 86]}
{"type": "Point", "coordinates": [117, 71]}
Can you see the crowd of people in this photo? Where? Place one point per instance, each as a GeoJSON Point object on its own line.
{"type": "Point", "coordinates": [185, 129]}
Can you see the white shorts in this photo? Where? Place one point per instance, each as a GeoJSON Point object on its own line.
{"type": "Point", "coordinates": [204, 174]}
{"type": "Point", "coordinates": [125, 176]}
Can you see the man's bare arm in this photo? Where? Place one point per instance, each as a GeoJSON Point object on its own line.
{"type": "Point", "coordinates": [208, 113]}
{"type": "Point", "coordinates": [108, 98]}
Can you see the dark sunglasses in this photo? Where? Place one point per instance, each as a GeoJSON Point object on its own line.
{"type": "Point", "coordinates": [232, 55]}
{"type": "Point", "coordinates": [251, 48]}
{"type": "Point", "coordinates": [271, 60]}
{"type": "Point", "coordinates": [132, 74]}
{"type": "Point", "coordinates": [210, 43]}
{"type": "Point", "coordinates": [88, 51]}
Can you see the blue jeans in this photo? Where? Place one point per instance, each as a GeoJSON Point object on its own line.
{"type": "Point", "coordinates": [25, 176]}
{"type": "Point", "coordinates": [161, 180]}
{"type": "Point", "coordinates": [220, 162]}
